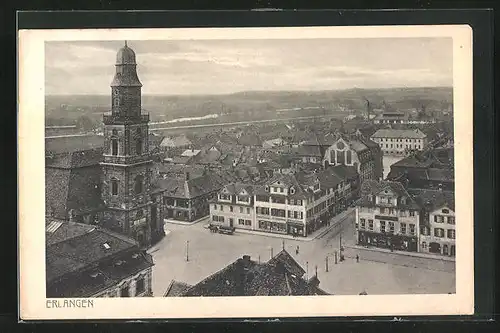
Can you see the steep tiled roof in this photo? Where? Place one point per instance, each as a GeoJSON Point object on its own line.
{"type": "Point", "coordinates": [58, 231]}
{"type": "Point", "coordinates": [307, 150]}
{"type": "Point", "coordinates": [399, 133]}
{"type": "Point", "coordinates": [85, 250]}
{"type": "Point", "coordinates": [73, 143]}
{"type": "Point", "coordinates": [74, 159]}
{"type": "Point", "coordinates": [280, 276]}
{"type": "Point", "coordinates": [372, 187]}
{"type": "Point", "coordinates": [70, 187]}
{"type": "Point", "coordinates": [192, 188]}
{"type": "Point", "coordinates": [434, 199]}
{"type": "Point", "coordinates": [176, 288]}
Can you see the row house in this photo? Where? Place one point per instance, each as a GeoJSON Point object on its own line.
{"type": "Point", "coordinates": [387, 216]}
{"type": "Point", "coordinates": [400, 142]}
{"type": "Point", "coordinates": [296, 204]}
{"type": "Point", "coordinates": [187, 199]}
{"type": "Point", "coordinates": [234, 206]}
{"type": "Point", "coordinates": [437, 230]}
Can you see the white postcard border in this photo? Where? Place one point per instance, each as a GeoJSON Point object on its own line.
{"type": "Point", "coordinates": [31, 205]}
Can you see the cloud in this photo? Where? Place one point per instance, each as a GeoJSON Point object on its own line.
{"type": "Point", "coordinates": [224, 66]}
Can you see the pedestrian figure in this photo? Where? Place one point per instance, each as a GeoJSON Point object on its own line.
{"type": "Point", "coordinates": [297, 250]}
{"type": "Point", "coordinates": [357, 258]}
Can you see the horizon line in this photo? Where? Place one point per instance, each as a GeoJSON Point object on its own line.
{"type": "Point", "coordinates": [264, 91]}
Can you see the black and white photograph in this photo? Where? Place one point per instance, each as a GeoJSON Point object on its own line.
{"type": "Point", "coordinates": [259, 166]}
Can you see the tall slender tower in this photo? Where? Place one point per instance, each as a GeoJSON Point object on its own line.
{"type": "Point", "coordinates": [127, 163]}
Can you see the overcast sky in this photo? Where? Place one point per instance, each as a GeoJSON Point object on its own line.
{"type": "Point", "coordinates": [226, 66]}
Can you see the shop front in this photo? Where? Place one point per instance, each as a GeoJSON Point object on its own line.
{"type": "Point", "coordinates": [295, 228]}
{"type": "Point", "coordinates": [387, 241]}
{"type": "Point", "coordinates": [272, 226]}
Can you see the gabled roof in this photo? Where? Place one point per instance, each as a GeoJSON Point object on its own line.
{"type": "Point", "coordinates": [59, 230]}
{"type": "Point", "coordinates": [280, 276]}
{"type": "Point", "coordinates": [83, 249]}
{"type": "Point", "coordinates": [434, 199]}
{"type": "Point", "coordinates": [373, 188]}
{"type": "Point", "coordinates": [73, 143]}
{"type": "Point", "coordinates": [72, 188]}
{"type": "Point", "coordinates": [176, 288]}
{"type": "Point", "coordinates": [192, 188]}
{"type": "Point", "coordinates": [74, 159]}
{"type": "Point", "coordinates": [307, 150]}
{"type": "Point", "coordinates": [399, 134]}
{"type": "Point", "coordinates": [238, 188]}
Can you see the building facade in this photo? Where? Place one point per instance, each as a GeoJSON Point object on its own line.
{"type": "Point", "coordinates": [437, 234]}
{"type": "Point", "coordinates": [296, 204]}
{"type": "Point", "coordinates": [354, 152]}
{"type": "Point", "coordinates": [234, 206]}
{"type": "Point", "coordinates": [400, 142]}
{"type": "Point", "coordinates": [127, 162]}
{"type": "Point", "coordinates": [388, 217]}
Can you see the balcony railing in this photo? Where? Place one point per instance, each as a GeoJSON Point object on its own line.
{"type": "Point", "coordinates": [110, 118]}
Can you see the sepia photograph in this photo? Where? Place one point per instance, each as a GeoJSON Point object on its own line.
{"type": "Point", "coordinates": [185, 168]}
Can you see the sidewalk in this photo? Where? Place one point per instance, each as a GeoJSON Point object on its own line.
{"type": "Point", "coordinates": [184, 222]}
{"type": "Point", "coordinates": [402, 253]}
{"type": "Point", "coordinates": [334, 223]}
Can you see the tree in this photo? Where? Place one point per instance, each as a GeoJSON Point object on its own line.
{"type": "Point", "coordinates": [84, 123]}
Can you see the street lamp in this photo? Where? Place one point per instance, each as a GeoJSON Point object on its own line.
{"type": "Point", "coordinates": [187, 251]}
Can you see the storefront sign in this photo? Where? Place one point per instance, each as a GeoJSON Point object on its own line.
{"type": "Point", "coordinates": [387, 218]}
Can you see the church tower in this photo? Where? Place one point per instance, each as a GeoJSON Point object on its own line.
{"type": "Point", "coordinates": [127, 164]}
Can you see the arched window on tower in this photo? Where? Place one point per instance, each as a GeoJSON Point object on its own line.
{"type": "Point", "coordinates": [138, 142]}
{"type": "Point", "coordinates": [114, 146]}
{"type": "Point", "coordinates": [114, 186]}
{"type": "Point", "coordinates": [139, 184]}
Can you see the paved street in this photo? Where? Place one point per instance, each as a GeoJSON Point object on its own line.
{"type": "Point", "coordinates": [209, 252]}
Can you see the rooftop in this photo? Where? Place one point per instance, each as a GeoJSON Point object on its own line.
{"type": "Point", "coordinates": [280, 276]}
{"type": "Point", "coordinates": [399, 133]}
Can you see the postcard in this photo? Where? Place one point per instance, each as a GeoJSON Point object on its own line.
{"type": "Point", "coordinates": [245, 172]}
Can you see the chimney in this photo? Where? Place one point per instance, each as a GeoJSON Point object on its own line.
{"type": "Point", "coordinates": [187, 175]}
{"type": "Point", "coordinates": [245, 260]}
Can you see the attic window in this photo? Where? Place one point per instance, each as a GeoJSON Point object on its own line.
{"type": "Point", "coordinates": [267, 188]}
{"type": "Point", "coordinates": [292, 190]}
{"type": "Point", "coordinates": [106, 246]}
{"type": "Point", "coordinates": [445, 211]}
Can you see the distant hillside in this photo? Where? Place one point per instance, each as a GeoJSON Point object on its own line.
{"type": "Point", "coordinates": [66, 110]}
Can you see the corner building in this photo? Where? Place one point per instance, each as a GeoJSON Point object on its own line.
{"type": "Point", "coordinates": [127, 163]}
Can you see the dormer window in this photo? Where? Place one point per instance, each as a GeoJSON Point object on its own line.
{"type": "Point", "coordinates": [267, 188]}
{"type": "Point", "coordinates": [292, 190]}
{"type": "Point", "coordinates": [106, 246]}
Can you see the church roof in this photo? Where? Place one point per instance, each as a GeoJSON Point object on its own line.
{"type": "Point", "coordinates": [125, 56]}
{"type": "Point", "coordinates": [79, 265]}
